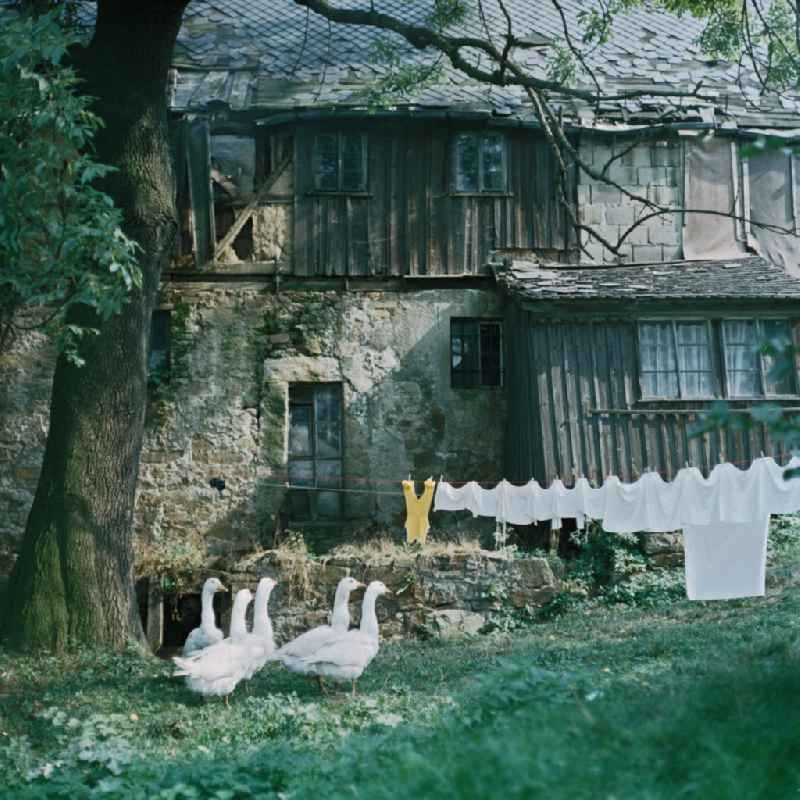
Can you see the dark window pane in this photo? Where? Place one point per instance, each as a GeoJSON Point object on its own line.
{"type": "Point", "coordinates": [491, 357]}
{"type": "Point", "coordinates": [465, 353]}
{"type": "Point", "coordinates": [353, 177]}
{"type": "Point", "coordinates": [300, 437]}
{"type": "Point", "coordinates": [475, 353]}
{"type": "Point", "coordinates": [315, 449]}
{"type": "Point", "coordinates": [467, 163]}
{"type": "Point", "coordinates": [779, 370]}
{"type": "Point", "coordinates": [327, 162]}
{"type": "Point", "coordinates": [329, 421]}
{"type": "Point", "coordinates": [494, 173]}
{"type": "Point", "coordinates": [328, 476]}
{"type": "Point", "coordinates": [301, 472]}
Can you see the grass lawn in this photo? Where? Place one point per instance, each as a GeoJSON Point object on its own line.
{"type": "Point", "coordinates": [674, 700]}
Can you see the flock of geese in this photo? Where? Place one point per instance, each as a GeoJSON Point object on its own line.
{"type": "Point", "coordinates": [213, 664]}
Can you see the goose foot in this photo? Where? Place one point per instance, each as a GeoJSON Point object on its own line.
{"type": "Point", "coordinates": [353, 694]}
{"type": "Point", "coordinates": [322, 687]}
{"type": "Point", "coordinates": [227, 704]}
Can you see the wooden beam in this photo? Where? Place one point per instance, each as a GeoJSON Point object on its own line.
{"type": "Point", "coordinates": [244, 215]}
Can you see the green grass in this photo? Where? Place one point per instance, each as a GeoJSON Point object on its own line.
{"type": "Point", "coordinates": [606, 701]}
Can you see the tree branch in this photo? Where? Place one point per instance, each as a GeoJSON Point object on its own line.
{"type": "Point", "coordinates": [422, 37]}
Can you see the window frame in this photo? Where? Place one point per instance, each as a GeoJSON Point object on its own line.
{"type": "Point", "coordinates": [313, 490]}
{"type": "Point", "coordinates": [480, 322]}
{"type": "Point", "coordinates": [315, 163]}
{"type": "Point", "coordinates": [480, 191]}
{"type": "Point", "coordinates": [674, 322]}
{"type": "Point", "coordinates": [758, 319]}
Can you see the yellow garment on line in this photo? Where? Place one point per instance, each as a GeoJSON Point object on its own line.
{"type": "Point", "coordinates": [417, 509]}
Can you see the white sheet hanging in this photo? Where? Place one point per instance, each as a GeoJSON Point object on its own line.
{"type": "Point", "coordinates": [725, 560]}
{"type": "Point", "coordinates": [724, 517]}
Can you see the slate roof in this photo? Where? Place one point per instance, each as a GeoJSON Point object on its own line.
{"type": "Point", "coordinates": [274, 55]}
{"type": "Point", "coordinates": [751, 278]}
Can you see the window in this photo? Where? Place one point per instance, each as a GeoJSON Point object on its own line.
{"type": "Point", "coordinates": [480, 162]}
{"type": "Point", "coordinates": [340, 162]}
{"type": "Point", "coordinates": [476, 353]}
{"type": "Point", "coordinates": [315, 449]}
{"type": "Point", "coordinates": [158, 355]}
{"type": "Point", "coordinates": [675, 359]}
{"type": "Point", "coordinates": [749, 372]}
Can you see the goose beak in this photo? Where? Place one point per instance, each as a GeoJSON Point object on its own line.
{"type": "Point", "coordinates": [221, 588]}
{"type": "Point", "coordinates": [360, 585]}
{"type": "Point", "coordinates": [388, 591]}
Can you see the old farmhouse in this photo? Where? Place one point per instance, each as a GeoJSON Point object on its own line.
{"type": "Point", "coordinates": [365, 290]}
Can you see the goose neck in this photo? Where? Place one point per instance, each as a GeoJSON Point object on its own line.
{"type": "Point", "coordinates": [369, 621]}
{"type": "Point", "coordinates": [238, 620]}
{"type": "Point", "coordinates": [207, 617]}
{"type": "Point", "coordinates": [340, 619]}
{"type": "Point", "coordinates": [262, 626]}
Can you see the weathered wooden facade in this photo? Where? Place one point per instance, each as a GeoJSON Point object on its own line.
{"type": "Point", "coordinates": [412, 218]}
{"type": "Point", "coordinates": [577, 401]}
{"type": "Point", "coordinates": [404, 213]}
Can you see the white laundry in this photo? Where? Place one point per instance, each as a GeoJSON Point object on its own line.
{"type": "Point", "coordinates": [517, 502]}
{"type": "Point", "coordinates": [450, 498]}
{"type": "Point", "coordinates": [725, 560]}
{"type": "Point", "coordinates": [487, 502]}
{"type": "Point", "coordinates": [724, 517]}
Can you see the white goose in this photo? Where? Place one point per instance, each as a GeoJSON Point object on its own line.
{"type": "Point", "coordinates": [345, 657]}
{"type": "Point", "coordinates": [219, 668]}
{"type": "Point", "coordinates": [293, 653]}
{"type": "Point", "coordinates": [207, 633]}
{"type": "Point", "coordinates": [262, 626]}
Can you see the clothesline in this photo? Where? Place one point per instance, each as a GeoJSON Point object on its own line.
{"type": "Point", "coordinates": [724, 517]}
{"type": "Point", "coordinates": [572, 476]}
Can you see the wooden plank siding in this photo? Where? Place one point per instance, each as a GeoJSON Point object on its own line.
{"type": "Point", "coordinates": [574, 408]}
{"type": "Point", "coordinates": [410, 221]}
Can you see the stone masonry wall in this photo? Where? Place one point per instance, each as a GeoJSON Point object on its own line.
{"type": "Point", "coordinates": [222, 411]}
{"type": "Point", "coordinates": [26, 374]}
{"type": "Point", "coordinates": [446, 594]}
{"type": "Point", "coordinates": [648, 169]}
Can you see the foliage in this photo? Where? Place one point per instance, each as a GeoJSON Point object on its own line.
{"type": "Point", "coordinates": [558, 709]}
{"type": "Point", "coordinates": [604, 558]}
{"type": "Point", "coordinates": [398, 77]}
{"type": "Point", "coordinates": [61, 244]}
{"type": "Point", "coordinates": [783, 427]}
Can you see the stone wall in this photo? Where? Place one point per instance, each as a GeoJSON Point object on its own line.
{"type": "Point", "coordinates": [647, 169]}
{"type": "Point", "coordinates": [26, 373]}
{"type": "Point", "coordinates": [451, 593]}
{"type": "Point", "coordinates": [222, 409]}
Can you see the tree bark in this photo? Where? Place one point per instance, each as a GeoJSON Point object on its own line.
{"type": "Point", "coordinates": [73, 581]}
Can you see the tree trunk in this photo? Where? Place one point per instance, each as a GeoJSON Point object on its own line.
{"type": "Point", "coordinates": [73, 582]}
